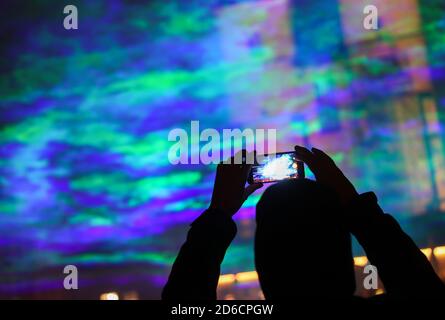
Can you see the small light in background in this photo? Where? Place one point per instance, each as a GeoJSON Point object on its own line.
{"type": "Point", "coordinates": [427, 252]}
{"type": "Point", "coordinates": [439, 251]}
{"type": "Point", "coordinates": [379, 291]}
{"type": "Point", "coordinates": [226, 279]}
{"type": "Point", "coordinates": [360, 261]}
{"type": "Point", "coordinates": [130, 295]}
{"type": "Point", "coordinates": [109, 296]}
{"type": "Point", "coordinates": [246, 276]}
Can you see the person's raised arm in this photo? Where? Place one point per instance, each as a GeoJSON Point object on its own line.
{"type": "Point", "coordinates": [402, 267]}
{"type": "Point", "coordinates": [196, 270]}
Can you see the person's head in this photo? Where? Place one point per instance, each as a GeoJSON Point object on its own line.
{"type": "Point", "coordinates": [301, 248]}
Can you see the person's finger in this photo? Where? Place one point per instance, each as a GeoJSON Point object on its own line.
{"type": "Point", "coordinates": [250, 157]}
{"type": "Point", "coordinates": [245, 171]}
{"type": "Point", "coordinates": [246, 164]}
{"type": "Point", "coordinates": [302, 151]}
{"type": "Point", "coordinates": [240, 157]}
{"type": "Point", "coordinates": [306, 156]}
{"type": "Point", "coordinates": [229, 160]}
{"type": "Point", "coordinates": [251, 189]}
{"type": "Point", "coordinates": [323, 156]}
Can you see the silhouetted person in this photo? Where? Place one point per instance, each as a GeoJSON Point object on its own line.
{"type": "Point", "coordinates": [302, 241]}
{"type": "Point", "coordinates": [300, 248]}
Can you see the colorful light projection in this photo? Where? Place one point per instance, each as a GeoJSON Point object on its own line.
{"type": "Point", "coordinates": [85, 118]}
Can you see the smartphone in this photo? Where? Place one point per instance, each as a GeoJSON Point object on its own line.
{"type": "Point", "coordinates": [276, 167]}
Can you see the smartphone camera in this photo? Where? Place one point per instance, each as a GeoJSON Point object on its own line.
{"type": "Point", "coordinates": [276, 167]}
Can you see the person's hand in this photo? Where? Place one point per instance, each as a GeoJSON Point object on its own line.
{"type": "Point", "coordinates": [229, 191]}
{"type": "Point", "coordinates": [327, 173]}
